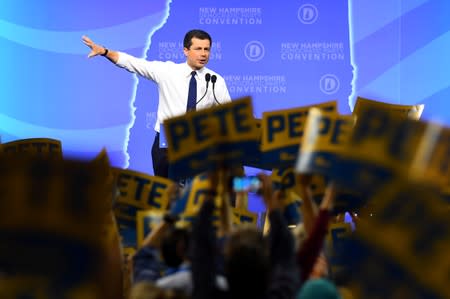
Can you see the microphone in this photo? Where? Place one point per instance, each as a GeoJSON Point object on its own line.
{"type": "Point", "coordinates": [213, 80]}
{"type": "Point", "coordinates": [207, 79]}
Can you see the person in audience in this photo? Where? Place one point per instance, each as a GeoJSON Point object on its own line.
{"type": "Point", "coordinates": [255, 267]}
{"type": "Point", "coordinates": [318, 289]}
{"type": "Point", "coordinates": [164, 255]}
{"type": "Point", "coordinates": [310, 257]}
{"type": "Point", "coordinates": [164, 241]}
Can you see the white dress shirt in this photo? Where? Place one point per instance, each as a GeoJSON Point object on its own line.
{"type": "Point", "coordinates": [173, 85]}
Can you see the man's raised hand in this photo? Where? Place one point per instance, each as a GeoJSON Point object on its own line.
{"type": "Point", "coordinates": [95, 49]}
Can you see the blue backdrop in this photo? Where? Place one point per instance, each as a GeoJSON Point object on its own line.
{"type": "Point", "coordinates": [283, 53]}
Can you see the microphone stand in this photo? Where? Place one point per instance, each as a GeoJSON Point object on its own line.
{"type": "Point", "coordinates": [207, 79]}
{"type": "Point", "coordinates": [213, 81]}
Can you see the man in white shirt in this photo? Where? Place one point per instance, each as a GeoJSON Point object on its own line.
{"type": "Point", "coordinates": [173, 81]}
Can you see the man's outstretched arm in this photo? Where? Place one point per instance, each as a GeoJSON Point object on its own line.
{"type": "Point", "coordinates": [96, 50]}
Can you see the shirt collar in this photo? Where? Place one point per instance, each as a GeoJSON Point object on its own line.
{"type": "Point", "coordinates": [189, 71]}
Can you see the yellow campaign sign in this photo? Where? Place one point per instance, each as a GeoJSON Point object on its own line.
{"type": "Point", "coordinates": [258, 123]}
{"type": "Point", "coordinates": [101, 162]}
{"type": "Point", "coordinates": [243, 216]}
{"type": "Point", "coordinates": [109, 234]}
{"type": "Point", "coordinates": [346, 199]}
{"type": "Point", "coordinates": [257, 159]}
{"type": "Point", "coordinates": [432, 160]}
{"type": "Point", "coordinates": [50, 195]}
{"type": "Point", "coordinates": [411, 225]}
{"type": "Point", "coordinates": [384, 139]}
{"type": "Point", "coordinates": [318, 187]}
{"type": "Point", "coordinates": [102, 159]}
{"type": "Point", "coordinates": [445, 195]}
{"type": "Point", "coordinates": [127, 270]}
{"type": "Point", "coordinates": [138, 191]}
{"type": "Point", "coordinates": [33, 146]}
{"type": "Point", "coordinates": [284, 179]}
{"type": "Point", "coordinates": [385, 278]}
{"type": "Point", "coordinates": [129, 251]}
{"type": "Point", "coordinates": [200, 139]}
{"type": "Point", "coordinates": [282, 132]}
{"type": "Point", "coordinates": [338, 234]}
{"type": "Point", "coordinates": [400, 111]}
{"type": "Point", "coordinates": [188, 207]}
{"type": "Point", "coordinates": [25, 287]}
{"type": "Point", "coordinates": [187, 219]}
{"type": "Point", "coordinates": [326, 137]}
{"type": "Point", "coordinates": [35, 287]}
{"type": "Point", "coordinates": [192, 200]}
{"type": "Point", "coordinates": [49, 216]}
{"type": "Point", "coordinates": [146, 221]}
{"type": "Point", "coordinates": [200, 188]}
{"type": "Point", "coordinates": [381, 147]}
{"type": "Point", "coordinates": [190, 133]}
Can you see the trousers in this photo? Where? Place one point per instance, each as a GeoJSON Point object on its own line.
{"type": "Point", "coordinates": [159, 159]}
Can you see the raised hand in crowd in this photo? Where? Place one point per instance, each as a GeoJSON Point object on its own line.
{"type": "Point", "coordinates": [166, 241]}
{"type": "Point", "coordinates": [253, 268]}
{"type": "Point", "coordinates": [308, 208]}
{"type": "Point", "coordinates": [309, 256]}
{"type": "Point", "coordinates": [327, 202]}
{"type": "Point", "coordinates": [271, 200]}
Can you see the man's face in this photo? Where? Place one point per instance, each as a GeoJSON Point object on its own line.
{"type": "Point", "coordinates": [197, 55]}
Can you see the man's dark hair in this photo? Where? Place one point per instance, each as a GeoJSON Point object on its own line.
{"type": "Point", "coordinates": [197, 33]}
{"type": "Point", "coordinates": [174, 245]}
{"type": "Point", "coordinates": [247, 264]}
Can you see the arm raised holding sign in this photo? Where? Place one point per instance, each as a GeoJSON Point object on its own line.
{"type": "Point", "coordinates": [308, 208]}
{"type": "Point", "coordinates": [225, 226]}
{"type": "Point", "coordinates": [203, 246]}
{"type": "Point", "coordinates": [309, 252]}
{"type": "Point", "coordinates": [284, 272]}
{"type": "Point", "coordinates": [146, 263]}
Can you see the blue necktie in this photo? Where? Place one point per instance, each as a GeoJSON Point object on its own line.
{"type": "Point", "coordinates": [192, 95]}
